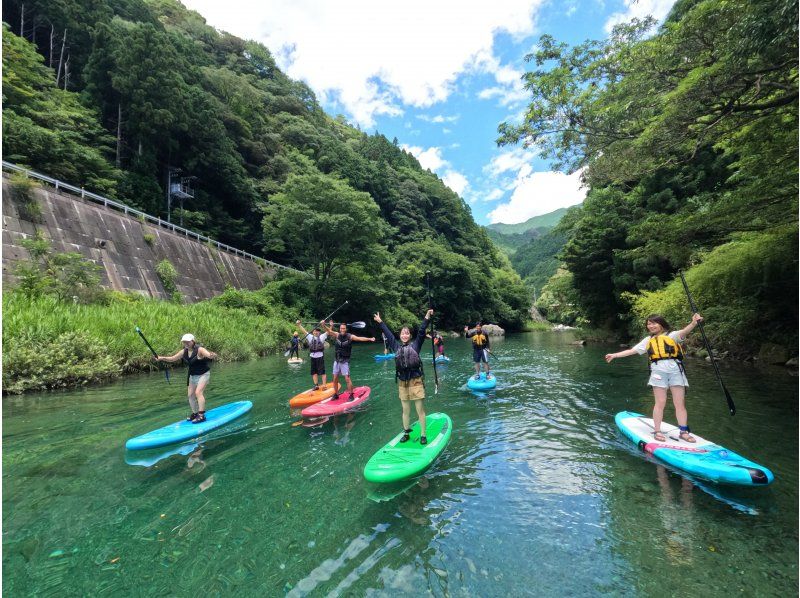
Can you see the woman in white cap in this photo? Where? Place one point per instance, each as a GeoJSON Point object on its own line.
{"type": "Point", "coordinates": [197, 358]}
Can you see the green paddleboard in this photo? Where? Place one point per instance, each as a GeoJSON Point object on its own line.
{"type": "Point", "coordinates": [399, 461]}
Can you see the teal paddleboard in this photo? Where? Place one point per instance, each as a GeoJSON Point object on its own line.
{"type": "Point", "coordinates": [398, 461]}
{"type": "Point", "coordinates": [186, 430]}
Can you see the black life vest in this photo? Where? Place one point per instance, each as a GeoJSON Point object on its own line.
{"type": "Point", "coordinates": [407, 363]}
{"type": "Point", "coordinates": [344, 346]}
{"type": "Point", "coordinates": [294, 341]}
{"type": "Point", "coordinates": [315, 345]}
{"type": "Point", "coordinates": [197, 365]}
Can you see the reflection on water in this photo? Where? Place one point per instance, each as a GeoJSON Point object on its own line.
{"type": "Point", "coordinates": [537, 493]}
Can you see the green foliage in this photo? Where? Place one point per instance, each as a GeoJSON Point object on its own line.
{"type": "Point", "coordinates": [559, 301]}
{"type": "Point", "coordinates": [167, 275]}
{"type": "Point", "coordinates": [22, 193]}
{"type": "Point", "coordinates": [49, 128]}
{"type": "Point", "coordinates": [537, 260]}
{"type": "Point", "coordinates": [43, 350]}
{"type": "Point", "coordinates": [543, 221]}
{"type": "Point", "coordinates": [66, 276]}
{"type": "Point", "coordinates": [149, 238]}
{"type": "Point", "coordinates": [760, 269]}
{"type": "Point", "coordinates": [687, 135]}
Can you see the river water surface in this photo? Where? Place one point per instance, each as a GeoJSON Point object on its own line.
{"type": "Point", "coordinates": [536, 494]}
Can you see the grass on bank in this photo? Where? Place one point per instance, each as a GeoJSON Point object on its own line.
{"type": "Point", "coordinates": [49, 343]}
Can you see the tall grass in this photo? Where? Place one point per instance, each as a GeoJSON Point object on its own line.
{"type": "Point", "coordinates": [48, 344]}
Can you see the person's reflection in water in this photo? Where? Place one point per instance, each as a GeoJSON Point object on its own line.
{"type": "Point", "coordinates": [342, 438]}
{"type": "Point", "coordinates": [412, 507]}
{"type": "Point", "coordinates": [196, 460]}
{"type": "Point", "coordinates": [677, 517]}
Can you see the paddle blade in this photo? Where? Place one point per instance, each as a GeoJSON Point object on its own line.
{"type": "Point", "coordinates": [357, 325]}
{"type": "Point", "coordinates": [286, 354]}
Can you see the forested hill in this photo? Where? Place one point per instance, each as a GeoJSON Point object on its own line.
{"type": "Point", "coordinates": [109, 94]}
{"type": "Point", "coordinates": [686, 135]}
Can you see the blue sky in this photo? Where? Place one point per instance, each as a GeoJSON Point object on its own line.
{"type": "Point", "coordinates": [439, 75]}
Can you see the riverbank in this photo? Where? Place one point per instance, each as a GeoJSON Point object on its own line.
{"type": "Point", "coordinates": [51, 344]}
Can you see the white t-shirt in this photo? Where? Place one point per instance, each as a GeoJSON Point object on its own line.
{"type": "Point", "coordinates": [664, 365]}
{"type": "Point", "coordinates": [322, 337]}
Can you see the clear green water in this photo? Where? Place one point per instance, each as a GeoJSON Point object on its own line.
{"type": "Point", "coordinates": [537, 493]}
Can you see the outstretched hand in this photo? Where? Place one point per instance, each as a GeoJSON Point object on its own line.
{"type": "Point", "coordinates": [610, 357]}
{"type": "Point", "coordinates": [697, 318]}
{"type": "Point", "coordinates": [428, 314]}
{"type": "Point", "coordinates": [377, 317]}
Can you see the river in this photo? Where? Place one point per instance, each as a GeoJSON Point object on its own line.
{"type": "Point", "coordinates": [536, 494]}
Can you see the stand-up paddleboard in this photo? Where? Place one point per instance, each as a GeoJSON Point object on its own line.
{"type": "Point", "coordinates": [295, 360]}
{"type": "Point", "coordinates": [402, 460]}
{"type": "Point", "coordinates": [148, 458]}
{"type": "Point", "coordinates": [342, 404]}
{"type": "Point", "coordinates": [311, 396]}
{"type": "Point", "coordinates": [702, 458]}
{"type": "Point", "coordinates": [384, 357]}
{"type": "Point", "coordinates": [483, 382]}
{"type": "Point", "coordinates": [442, 359]}
{"type": "Point", "coordinates": [186, 430]}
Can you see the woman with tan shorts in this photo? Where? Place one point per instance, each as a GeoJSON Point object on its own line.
{"type": "Point", "coordinates": [409, 374]}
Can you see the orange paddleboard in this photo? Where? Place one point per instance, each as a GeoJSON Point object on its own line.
{"type": "Point", "coordinates": [312, 396]}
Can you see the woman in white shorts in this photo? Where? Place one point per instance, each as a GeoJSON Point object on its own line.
{"type": "Point", "coordinates": [663, 348]}
{"type": "Point", "coordinates": [197, 358]}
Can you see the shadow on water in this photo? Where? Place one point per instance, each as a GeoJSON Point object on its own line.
{"type": "Point", "coordinates": [536, 492]}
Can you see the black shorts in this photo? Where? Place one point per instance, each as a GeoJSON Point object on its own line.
{"type": "Point", "coordinates": [478, 355]}
{"type": "Point", "coordinates": [318, 366]}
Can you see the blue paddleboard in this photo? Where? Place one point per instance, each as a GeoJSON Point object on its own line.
{"type": "Point", "coordinates": [701, 458]}
{"type": "Point", "coordinates": [442, 359]}
{"type": "Point", "coordinates": [482, 383]}
{"type": "Point", "coordinates": [186, 430]}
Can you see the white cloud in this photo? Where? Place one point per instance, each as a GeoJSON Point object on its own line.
{"type": "Point", "coordinates": [375, 57]}
{"type": "Point", "coordinates": [456, 181]}
{"type": "Point", "coordinates": [494, 195]}
{"type": "Point", "coordinates": [432, 159]}
{"type": "Point", "coordinates": [439, 118]}
{"type": "Point", "coordinates": [514, 159]}
{"type": "Point", "coordinates": [539, 193]}
{"type": "Point", "coordinates": [639, 9]}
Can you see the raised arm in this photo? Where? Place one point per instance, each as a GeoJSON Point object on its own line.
{"type": "Point", "coordinates": [391, 341]}
{"type": "Point", "coordinates": [206, 354]}
{"type": "Point", "coordinates": [300, 326]}
{"type": "Point", "coordinates": [423, 326]}
{"type": "Point", "coordinates": [362, 339]}
{"type": "Point", "coordinates": [684, 332]}
{"type": "Point", "coordinates": [626, 353]}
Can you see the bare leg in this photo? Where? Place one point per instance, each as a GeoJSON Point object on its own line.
{"type": "Point", "coordinates": [314, 378]}
{"type": "Point", "coordinates": [336, 384]}
{"type": "Point", "coordinates": [349, 384]}
{"type": "Point", "coordinates": [406, 414]}
{"type": "Point", "coordinates": [192, 398]}
{"type": "Point", "coordinates": [324, 379]}
{"type": "Point", "coordinates": [660, 395]}
{"type": "Point", "coordinates": [420, 405]}
{"type": "Point", "coordinates": [201, 399]}
{"type": "Point", "coordinates": [678, 399]}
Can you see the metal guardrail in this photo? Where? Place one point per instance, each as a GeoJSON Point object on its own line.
{"type": "Point", "coordinates": [110, 203]}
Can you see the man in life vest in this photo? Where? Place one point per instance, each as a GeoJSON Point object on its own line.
{"type": "Point", "coordinates": [480, 348]}
{"type": "Point", "coordinates": [343, 343]}
{"type": "Point", "coordinates": [316, 347]}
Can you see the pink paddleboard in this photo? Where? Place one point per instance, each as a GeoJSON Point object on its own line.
{"type": "Point", "coordinates": [340, 405]}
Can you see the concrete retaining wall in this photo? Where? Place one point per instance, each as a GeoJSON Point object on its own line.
{"type": "Point", "coordinates": [117, 242]}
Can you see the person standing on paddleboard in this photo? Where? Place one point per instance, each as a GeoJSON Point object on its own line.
{"type": "Point", "coordinates": [294, 346]}
{"type": "Point", "coordinates": [663, 348]}
{"type": "Point", "coordinates": [480, 347]}
{"type": "Point", "coordinates": [409, 374]}
{"type": "Point", "coordinates": [316, 347]}
{"type": "Point", "coordinates": [197, 358]}
{"type": "Point", "coordinates": [341, 365]}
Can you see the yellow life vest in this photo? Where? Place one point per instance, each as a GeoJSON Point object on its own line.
{"type": "Point", "coordinates": [479, 340]}
{"type": "Point", "coordinates": [663, 347]}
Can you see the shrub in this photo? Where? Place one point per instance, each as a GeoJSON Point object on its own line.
{"type": "Point", "coordinates": [149, 238]}
{"type": "Point", "coordinates": [22, 193]}
{"type": "Point", "coordinates": [168, 275]}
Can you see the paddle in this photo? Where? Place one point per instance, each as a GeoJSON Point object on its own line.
{"type": "Point", "coordinates": [355, 325]}
{"type": "Point", "coordinates": [728, 397]}
{"type": "Point", "coordinates": [433, 346]}
{"type": "Point", "coordinates": [153, 351]}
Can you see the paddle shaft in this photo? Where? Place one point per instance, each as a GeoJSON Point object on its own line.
{"type": "Point", "coordinates": [335, 310]}
{"type": "Point", "coordinates": [707, 344]}
{"type": "Point", "coordinates": [153, 351]}
{"type": "Point", "coordinates": [433, 333]}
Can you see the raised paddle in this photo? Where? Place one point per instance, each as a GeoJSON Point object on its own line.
{"type": "Point", "coordinates": [355, 325]}
{"type": "Point", "coordinates": [728, 397]}
{"type": "Point", "coordinates": [433, 346]}
{"type": "Point", "coordinates": [153, 351]}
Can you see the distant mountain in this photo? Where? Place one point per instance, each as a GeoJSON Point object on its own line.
{"type": "Point", "coordinates": [546, 221]}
